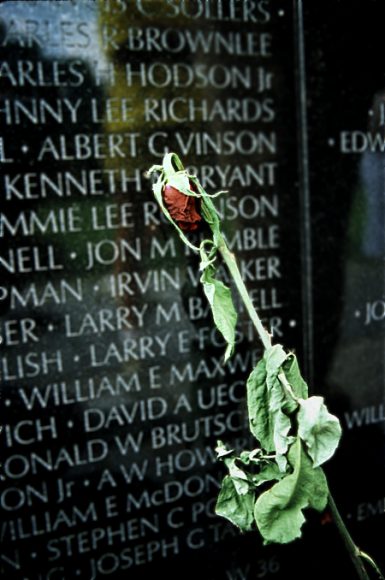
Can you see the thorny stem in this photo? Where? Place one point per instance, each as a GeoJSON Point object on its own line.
{"type": "Point", "coordinates": [356, 555]}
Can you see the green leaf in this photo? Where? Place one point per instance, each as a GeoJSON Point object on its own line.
{"type": "Point", "coordinates": [293, 375]}
{"type": "Point", "coordinates": [269, 472]}
{"type": "Point", "coordinates": [268, 469]}
{"type": "Point", "coordinates": [275, 357]}
{"type": "Point", "coordinates": [239, 477]}
{"type": "Point", "coordinates": [222, 451]}
{"type": "Point", "coordinates": [319, 429]}
{"type": "Point", "coordinates": [181, 182]}
{"type": "Point", "coordinates": [278, 511]}
{"type": "Point", "coordinates": [258, 406]}
{"type": "Point", "coordinates": [244, 480]}
{"type": "Point", "coordinates": [267, 400]}
{"type": "Point", "coordinates": [210, 215]}
{"type": "Point", "coordinates": [224, 314]}
{"type": "Point", "coordinates": [251, 457]}
{"type": "Point", "coordinates": [171, 164]}
{"type": "Point", "coordinates": [239, 509]}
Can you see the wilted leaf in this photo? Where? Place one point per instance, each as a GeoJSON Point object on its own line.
{"type": "Point", "coordinates": [239, 477]}
{"type": "Point", "coordinates": [181, 182]}
{"type": "Point", "coordinates": [258, 406]}
{"type": "Point", "coordinates": [266, 402]}
{"type": "Point", "coordinates": [253, 456]}
{"type": "Point", "coordinates": [222, 451]}
{"type": "Point", "coordinates": [275, 357]}
{"type": "Point", "coordinates": [239, 509]}
{"type": "Point", "coordinates": [319, 429]}
{"type": "Point", "coordinates": [294, 378]}
{"type": "Point", "coordinates": [278, 511]}
{"type": "Point", "coordinates": [269, 472]}
{"type": "Point", "coordinates": [224, 314]}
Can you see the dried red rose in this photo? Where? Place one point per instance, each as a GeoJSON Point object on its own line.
{"type": "Point", "coordinates": [182, 208]}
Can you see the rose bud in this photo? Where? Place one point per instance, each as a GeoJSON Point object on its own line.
{"type": "Point", "coordinates": [182, 208]}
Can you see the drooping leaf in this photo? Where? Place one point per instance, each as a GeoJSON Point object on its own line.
{"type": "Point", "coordinates": [239, 476]}
{"type": "Point", "coordinates": [319, 429]}
{"type": "Point", "coordinates": [277, 363]}
{"type": "Point", "coordinates": [222, 451]}
{"type": "Point", "coordinates": [224, 314]}
{"type": "Point", "coordinates": [239, 509]}
{"type": "Point", "coordinates": [258, 406]}
{"type": "Point", "coordinates": [258, 469]}
{"type": "Point", "coordinates": [275, 357]}
{"type": "Point", "coordinates": [267, 403]}
{"type": "Point", "coordinates": [278, 511]}
{"type": "Point", "coordinates": [268, 472]}
{"type": "Point", "coordinates": [251, 457]}
{"type": "Point", "coordinates": [293, 375]}
{"type": "Point", "coordinates": [181, 182]}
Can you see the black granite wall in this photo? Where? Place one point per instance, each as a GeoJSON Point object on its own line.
{"type": "Point", "coordinates": [113, 388]}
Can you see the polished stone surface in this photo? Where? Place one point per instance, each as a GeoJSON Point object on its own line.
{"type": "Point", "coordinates": [113, 388]}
